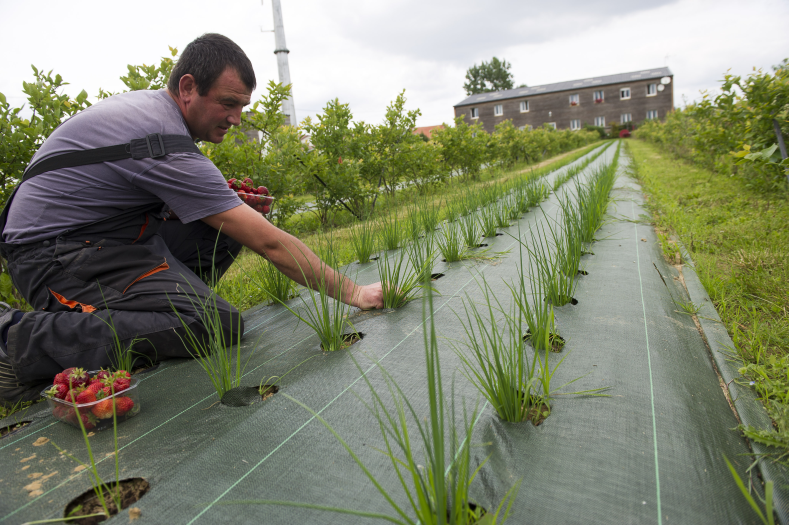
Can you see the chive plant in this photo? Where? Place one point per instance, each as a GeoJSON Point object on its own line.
{"type": "Point", "coordinates": [429, 216]}
{"type": "Point", "coordinates": [453, 210]}
{"type": "Point", "coordinates": [487, 221]}
{"type": "Point", "coordinates": [432, 459]}
{"type": "Point", "coordinates": [213, 350]}
{"type": "Point", "coordinates": [470, 230]}
{"type": "Point", "coordinates": [363, 240]}
{"type": "Point", "coordinates": [422, 253]}
{"type": "Point", "coordinates": [537, 312]}
{"type": "Point", "coordinates": [399, 280]}
{"type": "Point", "coordinates": [450, 243]}
{"type": "Point", "coordinates": [502, 213]}
{"type": "Point", "coordinates": [390, 234]}
{"type": "Point", "coordinates": [550, 265]}
{"type": "Point", "coordinates": [328, 317]}
{"type": "Point", "coordinates": [497, 364]}
{"type": "Point", "coordinates": [277, 286]}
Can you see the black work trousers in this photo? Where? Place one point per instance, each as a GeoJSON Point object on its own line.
{"type": "Point", "coordinates": [150, 279]}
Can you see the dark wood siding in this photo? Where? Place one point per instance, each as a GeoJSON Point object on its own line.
{"type": "Point", "coordinates": [561, 112]}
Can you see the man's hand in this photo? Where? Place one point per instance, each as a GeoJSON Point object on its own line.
{"type": "Point", "coordinates": [369, 297]}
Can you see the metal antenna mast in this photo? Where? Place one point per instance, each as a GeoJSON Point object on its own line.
{"type": "Point", "coordinates": [281, 50]}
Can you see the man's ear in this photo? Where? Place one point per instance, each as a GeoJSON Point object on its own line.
{"type": "Point", "coordinates": [187, 88]}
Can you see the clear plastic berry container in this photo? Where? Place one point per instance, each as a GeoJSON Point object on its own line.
{"type": "Point", "coordinates": [98, 414]}
{"type": "Point", "coordinates": [259, 203]}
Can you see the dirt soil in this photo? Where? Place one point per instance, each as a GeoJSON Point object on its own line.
{"type": "Point", "coordinates": [88, 503]}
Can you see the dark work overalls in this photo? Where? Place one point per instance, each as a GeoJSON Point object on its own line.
{"type": "Point", "coordinates": [138, 268]}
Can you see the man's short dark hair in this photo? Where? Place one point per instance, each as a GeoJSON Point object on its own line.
{"type": "Point", "coordinates": [206, 58]}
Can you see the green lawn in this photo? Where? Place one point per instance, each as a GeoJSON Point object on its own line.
{"type": "Point", "coordinates": [738, 238]}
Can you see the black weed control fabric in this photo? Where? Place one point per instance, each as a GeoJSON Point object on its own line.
{"type": "Point", "coordinates": [651, 453]}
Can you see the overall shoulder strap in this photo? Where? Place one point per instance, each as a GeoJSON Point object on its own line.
{"type": "Point", "coordinates": [152, 146]}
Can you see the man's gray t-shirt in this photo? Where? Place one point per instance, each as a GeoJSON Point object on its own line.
{"type": "Point", "coordinates": [61, 200]}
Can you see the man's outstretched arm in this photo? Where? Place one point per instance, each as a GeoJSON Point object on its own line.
{"type": "Point", "coordinates": [291, 256]}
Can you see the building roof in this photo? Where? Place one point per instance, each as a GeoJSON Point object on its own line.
{"type": "Point", "coordinates": [565, 86]}
{"type": "Point", "coordinates": [426, 130]}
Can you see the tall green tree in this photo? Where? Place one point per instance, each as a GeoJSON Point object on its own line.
{"type": "Point", "coordinates": [489, 76]}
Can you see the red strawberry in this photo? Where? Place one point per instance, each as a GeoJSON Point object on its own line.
{"type": "Point", "coordinates": [72, 395]}
{"type": "Point", "coordinates": [267, 201]}
{"type": "Point", "coordinates": [232, 181]}
{"type": "Point", "coordinates": [123, 405]}
{"type": "Point", "coordinates": [61, 379]}
{"type": "Point", "coordinates": [119, 385]}
{"type": "Point", "coordinates": [121, 373]}
{"type": "Point", "coordinates": [103, 409]}
{"type": "Point", "coordinates": [102, 374]}
{"type": "Point", "coordinates": [61, 411]}
{"type": "Point", "coordinates": [88, 420]}
{"type": "Point", "coordinates": [77, 377]}
{"type": "Point", "coordinates": [86, 396]}
{"type": "Point", "coordinates": [262, 190]}
{"type": "Point", "coordinates": [58, 390]}
{"type": "Point", "coordinates": [266, 209]}
{"type": "Point", "coordinates": [248, 181]}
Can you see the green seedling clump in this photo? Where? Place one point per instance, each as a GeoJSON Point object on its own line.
{"type": "Point", "coordinates": [363, 237]}
{"type": "Point", "coordinates": [450, 243]}
{"type": "Point", "coordinates": [277, 286]}
{"type": "Point", "coordinates": [431, 456]}
{"type": "Point", "coordinates": [399, 280]}
{"type": "Point", "coordinates": [487, 221]}
{"type": "Point", "coordinates": [390, 233]}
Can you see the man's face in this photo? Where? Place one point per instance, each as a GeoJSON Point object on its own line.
{"type": "Point", "coordinates": [209, 117]}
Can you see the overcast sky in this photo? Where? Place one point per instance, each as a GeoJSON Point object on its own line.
{"type": "Point", "coordinates": [366, 52]}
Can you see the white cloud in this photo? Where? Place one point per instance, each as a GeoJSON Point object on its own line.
{"type": "Point", "coordinates": [365, 53]}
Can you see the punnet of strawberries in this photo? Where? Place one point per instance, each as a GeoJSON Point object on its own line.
{"type": "Point", "coordinates": [90, 396]}
{"type": "Point", "coordinates": [257, 198]}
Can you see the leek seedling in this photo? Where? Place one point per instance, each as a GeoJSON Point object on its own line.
{"type": "Point", "coordinates": [502, 214]}
{"type": "Point", "coordinates": [277, 286]}
{"type": "Point", "coordinates": [450, 243]}
{"type": "Point", "coordinates": [363, 240]}
{"type": "Point", "coordinates": [498, 366]}
{"type": "Point", "coordinates": [399, 281]}
{"type": "Point", "coordinates": [453, 210]}
{"type": "Point", "coordinates": [559, 287]}
{"type": "Point", "coordinates": [768, 516]}
{"type": "Point", "coordinates": [390, 233]}
{"type": "Point", "coordinates": [328, 317]}
{"type": "Point", "coordinates": [414, 224]}
{"type": "Point", "coordinates": [437, 490]}
{"type": "Point", "coordinates": [470, 229]}
{"type": "Point", "coordinates": [538, 313]}
{"type": "Point", "coordinates": [123, 356]}
{"type": "Point", "coordinates": [487, 221]}
{"type": "Point", "coordinates": [422, 253]}
{"type": "Point", "coordinates": [429, 216]}
{"type": "Point", "coordinates": [325, 249]}
{"type": "Point", "coordinates": [513, 210]}
{"type": "Point", "coordinates": [210, 349]}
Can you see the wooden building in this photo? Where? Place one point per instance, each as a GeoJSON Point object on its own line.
{"type": "Point", "coordinates": [599, 101]}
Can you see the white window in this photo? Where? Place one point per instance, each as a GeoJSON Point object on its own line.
{"type": "Point", "coordinates": [652, 114]}
{"type": "Point", "coordinates": [498, 110]}
{"type": "Point", "coordinates": [598, 96]}
{"type": "Point", "coordinates": [474, 112]}
{"type": "Point", "coordinates": [599, 121]}
{"type": "Point", "coordinates": [522, 128]}
{"type": "Point", "coordinates": [524, 106]}
{"type": "Point", "coordinates": [551, 124]}
{"type": "Point", "coordinates": [625, 118]}
{"type": "Point", "coordinates": [575, 124]}
{"type": "Point", "coordinates": [574, 100]}
{"type": "Point", "coordinates": [651, 90]}
{"type": "Point", "coordinates": [527, 127]}
{"type": "Point", "coordinates": [624, 93]}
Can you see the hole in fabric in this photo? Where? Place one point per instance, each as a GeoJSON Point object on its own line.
{"type": "Point", "coordinates": [480, 245]}
{"type": "Point", "coordinates": [131, 490]}
{"type": "Point", "coordinates": [583, 272]}
{"type": "Point", "coordinates": [478, 511]}
{"type": "Point", "coordinates": [267, 391]}
{"type": "Point", "coordinates": [586, 253]}
{"type": "Point", "coordinates": [373, 258]}
{"type": "Point", "coordinates": [538, 413]}
{"type": "Point", "coordinates": [563, 300]}
{"type": "Point", "coordinates": [557, 341]}
{"type": "Point", "coordinates": [10, 429]}
{"type": "Point", "coordinates": [349, 339]}
{"type": "Point", "coordinates": [436, 276]}
{"type": "Point", "coordinates": [499, 234]}
{"type": "Point", "coordinates": [145, 370]}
